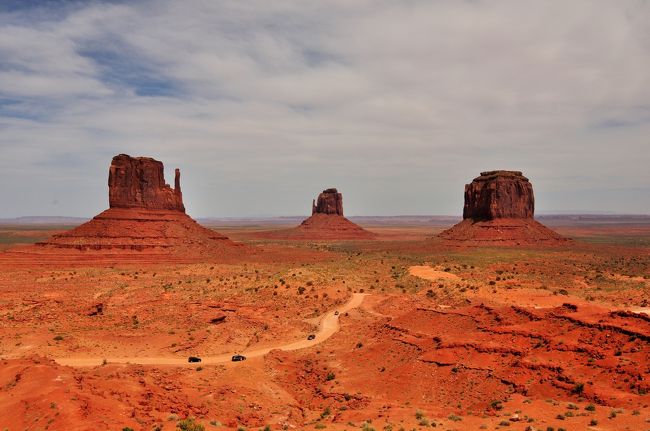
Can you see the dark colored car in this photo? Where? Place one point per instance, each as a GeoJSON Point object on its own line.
{"type": "Point", "coordinates": [238, 358]}
{"type": "Point", "coordinates": [193, 359]}
{"type": "Point", "coordinates": [311, 337]}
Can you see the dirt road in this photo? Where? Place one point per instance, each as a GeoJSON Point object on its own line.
{"type": "Point", "coordinates": [329, 325]}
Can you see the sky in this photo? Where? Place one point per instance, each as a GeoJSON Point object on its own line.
{"type": "Point", "coordinates": [263, 104]}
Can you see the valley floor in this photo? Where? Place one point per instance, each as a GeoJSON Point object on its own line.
{"type": "Point", "coordinates": [427, 334]}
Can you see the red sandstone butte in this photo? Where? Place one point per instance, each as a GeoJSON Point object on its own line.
{"type": "Point", "coordinates": [499, 209]}
{"type": "Point", "coordinates": [328, 202]}
{"type": "Point", "coordinates": [326, 223]}
{"type": "Point", "coordinates": [139, 182]}
{"type": "Point", "coordinates": [145, 214]}
{"type": "Point", "coordinates": [499, 194]}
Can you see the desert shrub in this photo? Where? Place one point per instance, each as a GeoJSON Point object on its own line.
{"type": "Point", "coordinates": [330, 376]}
{"type": "Point", "coordinates": [496, 405]}
{"type": "Point", "coordinates": [590, 408]}
{"type": "Point", "coordinates": [188, 424]}
{"type": "Point", "coordinates": [578, 388]}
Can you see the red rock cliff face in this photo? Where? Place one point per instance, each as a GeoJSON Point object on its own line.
{"type": "Point", "coordinates": [139, 182]}
{"type": "Point", "coordinates": [328, 202]}
{"type": "Point", "coordinates": [499, 194]}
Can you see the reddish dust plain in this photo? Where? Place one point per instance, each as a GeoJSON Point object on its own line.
{"type": "Point", "coordinates": [451, 337]}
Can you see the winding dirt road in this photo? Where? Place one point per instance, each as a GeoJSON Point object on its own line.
{"type": "Point", "coordinates": [329, 325]}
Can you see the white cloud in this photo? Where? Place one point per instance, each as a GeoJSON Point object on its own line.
{"type": "Point", "coordinates": [396, 103]}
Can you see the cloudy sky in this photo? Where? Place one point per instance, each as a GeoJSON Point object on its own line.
{"type": "Point", "coordinates": [262, 104]}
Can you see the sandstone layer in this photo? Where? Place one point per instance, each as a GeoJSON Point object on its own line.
{"type": "Point", "coordinates": [499, 209]}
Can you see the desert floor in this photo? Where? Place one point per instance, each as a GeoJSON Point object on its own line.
{"type": "Point", "coordinates": [427, 334]}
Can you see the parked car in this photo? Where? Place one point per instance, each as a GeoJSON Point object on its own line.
{"type": "Point", "coordinates": [311, 337]}
{"type": "Point", "coordinates": [193, 359]}
{"type": "Point", "coordinates": [238, 358]}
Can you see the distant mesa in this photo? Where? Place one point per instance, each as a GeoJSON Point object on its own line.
{"type": "Point", "coordinates": [499, 209]}
{"type": "Point", "coordinates": [144, 213]}
{"type": "Point", "coordinates": [326, 222]}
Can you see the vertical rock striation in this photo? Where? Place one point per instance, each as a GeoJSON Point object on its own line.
{"type": "Point", "coordinates": [328, 202]}
{"type": "Point", "coordinates": [499, 194]}
{"type": "Point", "coordinates": [139, 182]}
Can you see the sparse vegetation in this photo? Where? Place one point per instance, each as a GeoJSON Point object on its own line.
{"type": "Point", "coordinates": [189, 424]}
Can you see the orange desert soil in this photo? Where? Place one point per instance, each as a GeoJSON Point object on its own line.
{"type": "Point", "coordinates": [428, 333]}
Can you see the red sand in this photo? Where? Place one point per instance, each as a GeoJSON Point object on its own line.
{"type": "Point", "coordinates": [466, 338]}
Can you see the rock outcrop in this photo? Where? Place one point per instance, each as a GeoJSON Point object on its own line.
{"type": "Point", "coordinates": [499, 194]}
{"type": "Point", "coordinates": [326, 223]}
{"type": "Point", "coordinates": [499, 209]}
{"type": "Point", "coordinates": [328, 202]}
{"type": "Point", "coordinates": [139, 182]}
{"type": "Point", "coordinates": [145, 215]}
